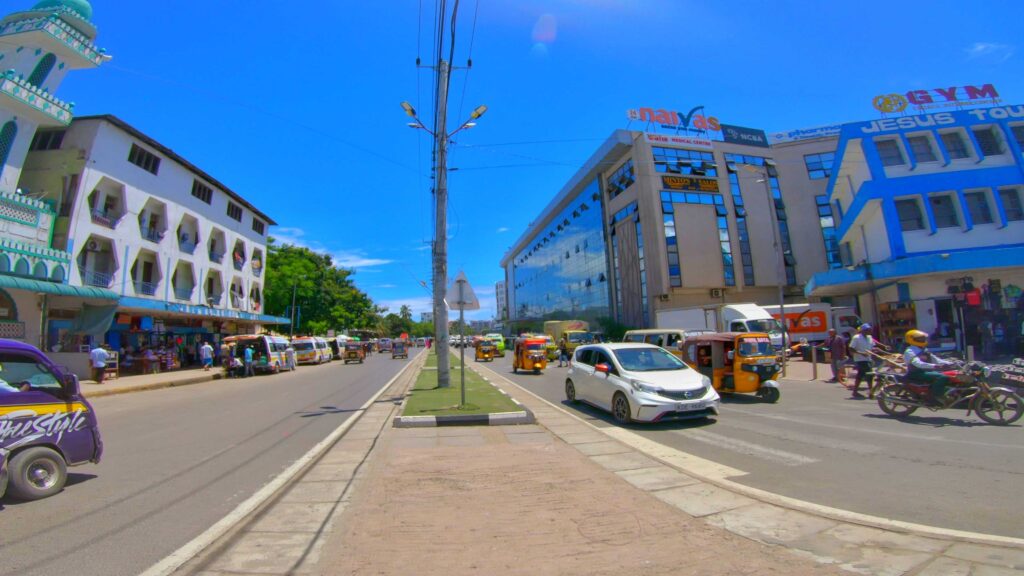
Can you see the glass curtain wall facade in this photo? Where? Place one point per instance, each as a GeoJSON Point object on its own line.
{"type": "Point", "coordinates": [780, 209]}
{"type": "Point", "coordinates": [828, 232]}
{"type": "Point", "coordinates": [564, 274]}
{"type": "Point", "coordinates": [741, 228]}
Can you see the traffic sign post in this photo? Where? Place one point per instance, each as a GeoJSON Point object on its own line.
{"type": "Point", "coordinates": [465, 299]}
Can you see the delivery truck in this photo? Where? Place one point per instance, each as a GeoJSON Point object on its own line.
{"type": "Point", "coordinates": [812, 320]}
{"type": "Point", "coordinates": [722, 318]}
{"type": "Point", "coordinates": [575, 332]}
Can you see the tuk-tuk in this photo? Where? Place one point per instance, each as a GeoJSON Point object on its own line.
{"type": "Point", "coordinates": [736, 362]}
{"type": "Point", "coordinates": [399, 349]}
{"type": "Point", "coordinates": [530, 354]}
{"type": "Point", "coordinates": [354, 352]}
{"type": "Point", "coordinates": [48, 424]}
{"type": "Point", "coordinates": [485, 350]}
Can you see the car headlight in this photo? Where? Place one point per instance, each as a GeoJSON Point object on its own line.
{"type": "Point", "coordinates": [705, 381]}
{"type": "Point", "coordinates": [644, 387]}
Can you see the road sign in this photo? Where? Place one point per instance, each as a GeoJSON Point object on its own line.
{"type": "Point", "coordinates": [460, 294]}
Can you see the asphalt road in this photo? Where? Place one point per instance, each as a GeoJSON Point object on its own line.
{"type": "Point", "coordinates": [175, 462]}
{"type": "Point", "coordinates": [942, 469]}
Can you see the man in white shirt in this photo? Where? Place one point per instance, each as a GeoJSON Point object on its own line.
{"type": "Point", "coordinates": [861, 344]}
{"type": "Point", "coordinates": [923, 366]}
{"type": "Point", "coordinates": [206, 355]}
{"type": "Point", "coordinates": [98, 359]}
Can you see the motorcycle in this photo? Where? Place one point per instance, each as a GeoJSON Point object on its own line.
{"type": "Point", "coordinates": [968, 388]}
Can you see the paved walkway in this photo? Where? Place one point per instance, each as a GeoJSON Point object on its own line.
{"type": "Point", "coordinates": [142, 382]}
{"type": "Point", "coordinates": [561, 497]}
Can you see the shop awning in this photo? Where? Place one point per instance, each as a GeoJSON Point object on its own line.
{"type": "Point", "coordinates": [145, 305]}
{"type": "Point", "coordinates": [46, 287]}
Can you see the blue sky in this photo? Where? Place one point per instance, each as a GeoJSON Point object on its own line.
{"type": "Point", "coordinates": [295, 105]}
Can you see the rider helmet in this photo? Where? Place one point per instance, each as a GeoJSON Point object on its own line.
{"type": "Point", "coordinates": [916, 338]}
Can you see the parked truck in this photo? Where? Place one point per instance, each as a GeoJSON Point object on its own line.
{"type": "Point", "coordinates": [812, 321]}
{"type": "Point", "coordinates": [575, 332]}
{"type": "Point", "coordinates": [722, 318]}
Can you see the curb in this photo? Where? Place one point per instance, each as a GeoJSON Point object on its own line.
{"type": "Point", "coordinates": [154, 386]}
{"type": "Point", "coordinates": [524, 416]}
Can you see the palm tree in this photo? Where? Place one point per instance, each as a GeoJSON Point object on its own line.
{"type": "Point", "coordinates": [405, 313]}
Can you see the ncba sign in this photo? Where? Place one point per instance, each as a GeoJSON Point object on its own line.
{"type": "Point", "coordinates": [677, 120]}
{"type": "Point", "coordinates": [937, 98]}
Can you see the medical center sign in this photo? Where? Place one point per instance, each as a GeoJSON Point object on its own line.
{"type": "Point", "coordinates": [937, 98]}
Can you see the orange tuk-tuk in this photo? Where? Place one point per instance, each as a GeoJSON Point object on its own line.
{"type": "Point", "coordinates": [740, 362]}
{"type": "Point", "coordinates": [530, 354]}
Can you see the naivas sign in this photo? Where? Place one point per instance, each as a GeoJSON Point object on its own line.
{"type": "Point", "coordinates": [937, 98]}
{"type": "Point", "coordinates": [676, 120]}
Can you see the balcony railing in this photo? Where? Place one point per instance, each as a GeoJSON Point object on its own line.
{"type": "Point", "coordinates": [214, 299]}
{"type": "Point", "coordinates": [182, 293]}
{"type": "Point", "coordinates": [186, 246]}
{"type": "Point", "coordinates": [238, 260]}
{"type": "Point", "coordinates": [48, 107]}
{"type": "Point", "coordinates": [216, 256]}
{"type": "Point", "coordinates": [97, 278]}
{"type": "Point", "coordinates": [108, 219]}
{"type": "Point", "coordinates": [236, 301]}
{"type": "Point", "coordinates": [147, 288]}
{"type": "Point", "coordinates": [257, 268]}
{"type": "Point", "coordinates": [152, 234]}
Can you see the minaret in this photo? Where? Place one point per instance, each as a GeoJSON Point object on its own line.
{"type": "Point", "coordinates": [37, 48]}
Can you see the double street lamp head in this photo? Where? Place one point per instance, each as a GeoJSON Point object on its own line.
{"type": "Point", "coordinates": [409, 110]}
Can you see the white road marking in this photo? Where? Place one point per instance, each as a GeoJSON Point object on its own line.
{"type": "Point", "coordinates": [819, 440]}
{"type": "Point", "coordinates": [746, 448]}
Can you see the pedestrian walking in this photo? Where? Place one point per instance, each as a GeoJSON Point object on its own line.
{"type": "Point", "coordinates": [861, 344]}
{"type": "Point", "coordinates": [98, 359]}
{"type": "Point", "coordinates": [563, 352]}
{"type": "Point", "coordinates": [248, 354]}
{"type": "Point", "coordinates": [206, 356]}
{"type": "Point", "coordinates": [289, 356]}
{"type": "Point", "coordinates": [836, 345]}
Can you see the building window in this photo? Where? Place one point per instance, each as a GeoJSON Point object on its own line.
{"type": "Point", "coordinates": [202, 191]}
{"type": "Point", "coordinates": [955, 145]}
{"type": "Point", "coordinates": [944, 210]}
{"type": "Point", "coordinates": [828, 231]}
{"type": "Point", "coordinates": [258, 227]}
{"type": "Point", "coordinates": [621, 179]}
{"type": "Point", "coordinates": [234, 211]}
{"type": "Point", "coordinates": [668, 199]}
{"type": "Point", "coordinates": [910, 215]}
{"type": "Point", "coordinates": [1010, 197]}
{"type": "Point", "coordinates": [42, 70]}
{"type": "Point", "coordinates": [7, 135]}
{"type": "Point", "coordinates": [890, 153]}
{"type": "Point", "coordinates": [1018, 135]}
{"type": "Point", "coordinates": [988, 141]}
{"type": "Point", "coordinates": [819, 166]}
{"type": "Point", "coordinates": [643, 273]}
{"type": "Point", "coordinates": [741, 229]}
{"type": "Point", "coordinates": [688, 162]}
{"type": "Point", "coordinates": [977, 206]}
{"type": "Point", "coordinates": [47, 140]}
{"type": "Point", "coordinates": [921, 147]}
{"type": "Point", "coordinates": [144, 159]}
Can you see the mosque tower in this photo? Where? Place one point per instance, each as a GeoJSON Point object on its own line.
{"type": "Point", "coordinates": [37, 48]}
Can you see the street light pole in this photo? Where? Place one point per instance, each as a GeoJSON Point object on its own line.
{"type": "Point", "coordinates": [780, 273]}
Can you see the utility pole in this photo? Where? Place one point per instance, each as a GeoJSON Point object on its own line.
{"type": "Point", "coordinates": [291, 329]}
{"type": "Point", "coordinates": [441, 228]}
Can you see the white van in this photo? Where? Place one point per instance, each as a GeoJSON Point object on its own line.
{"type": "Point", "coordinates": [667, 338]}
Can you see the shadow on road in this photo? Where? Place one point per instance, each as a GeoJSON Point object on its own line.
{"type": "Point", "coordinates": [935, 421]}
{"type": "Point", "coordinates": [596, 415]}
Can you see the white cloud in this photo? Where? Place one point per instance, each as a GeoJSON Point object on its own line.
{"type": "Point", "coordinates": [990, 50]}
{"type": "Point", "coordinates": [342, 258]}
{"type": "Point", "coordinates": [417, 305]}
{"type": "Point", "coordinates": [387, 286]}
{"type": "Point", "coordinates": [502, 229]}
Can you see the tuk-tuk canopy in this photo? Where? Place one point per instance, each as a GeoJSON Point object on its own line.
{"type": "Point", "coordinates": [728, 337]}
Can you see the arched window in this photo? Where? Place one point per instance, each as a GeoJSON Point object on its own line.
{"type": "Point", "coordinates": [5, 263]}
{"type": "Point", "coordinates": [21, 267]}
{"type": "Point", "coordinates": [39, 270]}
{"type": "Point", "coordinates": [42, 70]}
{"type": "Point", "coordinates": [8, 310]}
{"type": "Point", "coordinates": [58, 274]}
{"type": "Point", "coordinates": [7, 135]}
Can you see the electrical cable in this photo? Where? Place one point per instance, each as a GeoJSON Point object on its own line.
{"type": "Point", "coordinates": [469, 58]}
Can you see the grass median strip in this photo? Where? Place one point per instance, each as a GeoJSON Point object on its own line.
{"type": "Point", "coordinates": [427, 399]}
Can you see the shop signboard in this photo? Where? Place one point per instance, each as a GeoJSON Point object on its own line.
{"type": "Point", "coordinates": [744, 135]}
{"type": "Point", "coordinates": [806, 133]}
{"type": "Point", "coordinates": [694, 121]}
{"type": "Point", "coordinates": [690, 183]}
{"type": "Point", "coordinates": [936, 98]}
{"type": "Point", "coordinates": [688, 141]}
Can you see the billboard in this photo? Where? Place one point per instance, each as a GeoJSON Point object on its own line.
{"type": "Point", "coordinates": [743, 135]}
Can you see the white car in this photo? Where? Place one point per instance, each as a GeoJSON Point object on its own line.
{"type": "Point", "coordinates": [639, 382]}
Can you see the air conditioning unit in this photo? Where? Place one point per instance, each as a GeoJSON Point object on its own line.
{"type": "Point", "coordinates": [92, 246]}
{"type": "Point", "coordinates": [664, 297]}
{"type": "Point", "coordinates": [717, 292]}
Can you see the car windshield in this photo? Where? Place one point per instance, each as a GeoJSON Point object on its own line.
{"type": "Point", "coordinates": [767, 325]}
{"type": "Point", "coordinates": [579, 338]}
{"type": "Point", "coordinates": [534, 346]}
{"type": "Point", "coordinates": [756, 347]}
{"type": "Point", "coordinates": [647, 360]}
{"type": "Point", "coordinates": [16, 369]}
{"type": "Point", "coordinates": [302, 345]}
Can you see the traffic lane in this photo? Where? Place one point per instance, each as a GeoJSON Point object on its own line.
{"type": "Point", "coordinates": [178, 460]}
{"type": "Point", "coordinates": [817, 445]}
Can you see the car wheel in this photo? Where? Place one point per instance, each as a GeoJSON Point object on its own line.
{"type": "Point", "coordinates": [770, 395]}
{"type": "Point", "coordinates": [36, 473]}
{"type": "Point", "coordinates": [570, 392]}
{"type": "Point", "coordinates": [620, 409]}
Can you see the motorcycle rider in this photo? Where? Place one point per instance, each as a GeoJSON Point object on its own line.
{"type": "Point", "coordinates": [922, 364]}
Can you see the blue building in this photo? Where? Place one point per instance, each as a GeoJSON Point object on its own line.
{"type": "Point", "coordinates": [931, 226]}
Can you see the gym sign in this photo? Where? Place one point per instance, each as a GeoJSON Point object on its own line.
{"type": "Point", "coordinates": [936, 98]}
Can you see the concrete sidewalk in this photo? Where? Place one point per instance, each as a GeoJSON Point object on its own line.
{"type": "Point", "coordinates": [561, 497]}
{"type": "Point", "coordinates": [141, 382]}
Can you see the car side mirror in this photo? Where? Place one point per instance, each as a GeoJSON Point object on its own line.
{"type": "Point", "coordinates": [603, 368]}
{"type": "Point", "coordinates": [71, 383]}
